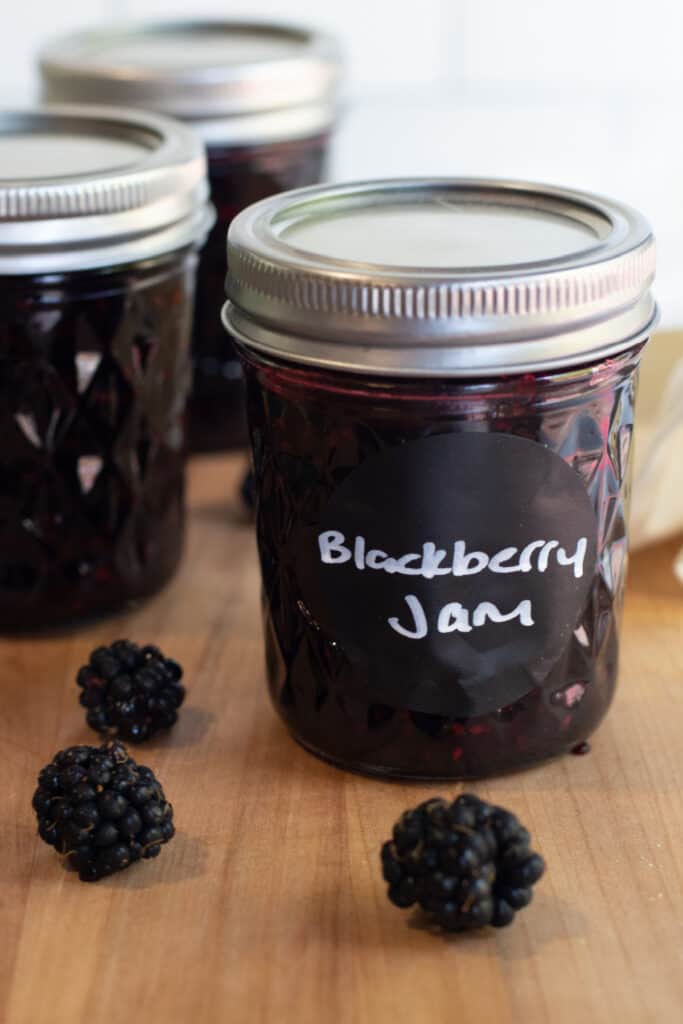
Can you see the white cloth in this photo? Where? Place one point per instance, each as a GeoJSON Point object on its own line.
{"type": "Point", "coordinates": [657, 496]}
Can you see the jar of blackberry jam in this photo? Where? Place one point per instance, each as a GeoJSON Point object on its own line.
{"type": "Point", "coordinates": [263, 99]}
{"type": "Point", "coordinates": [440, 388]}
{"type": "Point", "coordinates": [101, 214]}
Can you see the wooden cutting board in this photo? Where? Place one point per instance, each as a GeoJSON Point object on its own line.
{"type": "Point", "coordinates": [269, 906]}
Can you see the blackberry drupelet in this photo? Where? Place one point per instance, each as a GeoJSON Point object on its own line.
{"type": "Point", "coordinates": [131, 692]}
{"type": "Point", "coordinates": [101, 810]}
{"type": "Point", "coordinates": [466, 863]}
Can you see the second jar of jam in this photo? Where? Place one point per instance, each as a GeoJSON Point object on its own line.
{"type": "Point", "coordinates": [441, 380]}
{"type": "Point", "coordinates": [263, 99]}
{"type": "Point", "coordinates": [101, 215]}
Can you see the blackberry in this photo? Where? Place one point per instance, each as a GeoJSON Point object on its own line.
{"type": "Point", "coordinates": [101, 810]}
{"type": "Point", "coordinates": [466, 863]}
{"type": "Point", "coordinates": [129, 691]}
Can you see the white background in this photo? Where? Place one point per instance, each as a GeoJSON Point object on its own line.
{"type": "Point", "coordinates": [587, 93]}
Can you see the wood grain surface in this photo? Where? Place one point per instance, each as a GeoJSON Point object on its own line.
{"type": "Point", "coordinates": [269, 906]}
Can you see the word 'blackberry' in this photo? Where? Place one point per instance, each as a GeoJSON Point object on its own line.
{"type": "Point", "coordinates": [466, 863]}
{"type": "Point", "coordinates": [101, 810]}
{"type": "Point", "coordinates": [130, 691]}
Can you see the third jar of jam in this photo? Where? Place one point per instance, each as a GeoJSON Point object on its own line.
{"type": "Point", "coordinates": [263, 99]}
{"type": "Point", "coordinates": [441, 380]}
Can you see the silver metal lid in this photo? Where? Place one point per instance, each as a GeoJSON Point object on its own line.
{"type": "Point", "coordinates": [237, 81]}
{"type": "Point", "coordinates": [85, 187]}
{"type": "Point", "coordinates": [455, 277]}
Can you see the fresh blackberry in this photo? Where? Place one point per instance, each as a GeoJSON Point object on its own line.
{"type": "Point", "coordinates": [131, 692]}
{"type": "Point", "coordinates": [101, 810]}
{"type": "Point", "coordinates": [466, 863]}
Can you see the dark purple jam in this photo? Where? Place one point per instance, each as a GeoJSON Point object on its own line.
{"type": "Point", "coordinates": [238, 177]}
{"type": "Point", "coordinates": [310, 429]}
{"type": "Point", "coordinates": [94, 372]}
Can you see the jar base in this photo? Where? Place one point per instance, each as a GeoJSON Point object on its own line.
{"type": "Point", "coordinates": [68, 618]}
{"type": "Point", "coordinates": [387, 774]}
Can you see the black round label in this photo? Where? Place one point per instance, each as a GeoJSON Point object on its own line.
{"type": "Point", "coordinates": [452, 570]}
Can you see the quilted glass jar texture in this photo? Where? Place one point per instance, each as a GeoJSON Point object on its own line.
{"type": "Point", "coordinates": [310, 431]}
{"type": "Point", "coordinates": [94, 373]}
{"type": "Point", "coordinates": [239, 176]}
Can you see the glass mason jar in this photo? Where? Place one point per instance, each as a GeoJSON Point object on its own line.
{"type": "Point", "coordinates": [262, 97]}
{"type": "Point", "coordinates": [101, 215]}
{"type": "Point", "coordinates": [441, 381]}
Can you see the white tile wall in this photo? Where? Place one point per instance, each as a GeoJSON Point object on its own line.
{"type": "Point", "coordinates": [612, 44]}
{"type": "Point", "coordinates": [587, 94]}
